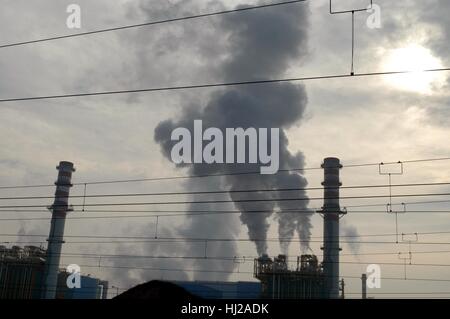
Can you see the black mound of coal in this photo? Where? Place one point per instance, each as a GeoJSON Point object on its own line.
{"type": "Point", "coordinates": [157, 290]}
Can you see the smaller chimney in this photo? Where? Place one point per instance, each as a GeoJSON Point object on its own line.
{"type": "Point", "coordinates": [342, 288]}
{"type": "Point", "coordinates": [364, 286]}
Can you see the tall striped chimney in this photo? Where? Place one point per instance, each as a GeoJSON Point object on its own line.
{"type": "Point", "coordinates": [55, 240]}
{"type": "Point", "coordinates": [331, 213]}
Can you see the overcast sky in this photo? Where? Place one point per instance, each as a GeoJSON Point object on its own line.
{"type": "Point", "coordinates": [360, 120]}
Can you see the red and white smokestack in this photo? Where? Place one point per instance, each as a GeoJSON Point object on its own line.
{"type": "Point", "coordinates": [55, 240]}
{"type": "Point", "coordinates": [331, 213]}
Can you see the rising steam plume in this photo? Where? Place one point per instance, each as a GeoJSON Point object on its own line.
{"type": "Point", "coordinates": [262, 44]}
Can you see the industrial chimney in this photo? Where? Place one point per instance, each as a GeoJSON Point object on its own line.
{"type": "Point", "coordinates": [331, 213]}
{"type": "Point", "coordinates": [364, 286]}
{"type": "Point", "coordinates": [55, 240]}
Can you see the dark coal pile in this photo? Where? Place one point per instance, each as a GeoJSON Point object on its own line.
{"type": "Point", "coordinates": [157, 290]}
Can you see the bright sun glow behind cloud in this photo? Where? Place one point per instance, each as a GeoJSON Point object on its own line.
{"type": "Point", "coordinates": [414, 58]}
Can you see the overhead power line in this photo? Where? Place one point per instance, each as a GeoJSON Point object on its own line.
{"type": "Point", "coordinates": [186, 214]}
{"type": "Point", "coordinates": [203, 240]}
{"type": "Point", "coordinates": [408, 203]}
{"type": "Point", "coordinates": [260, 200]}
{"type": "Point", "coordinates": [270, 239]}
{"type": "Point", "coordinates": [192, 213]}
{"type": "Point", "coordinates": [241, 259]}
{"type": "Point", "coordinates": [216, 85]}
{"type": "Point", "coordinates": [151, 23]}
{"type": "Point", "coordinates": [299, 169]}
{"type": "Point", "coordinates": [231, 191]}
{"type": "Point", "coordinates": [212, 239]}
{"type": "Point", "coordinates": [155, 179]}
{"type": "Point", "coordinates": [100, 266]}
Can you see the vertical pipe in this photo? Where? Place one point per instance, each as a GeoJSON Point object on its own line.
{"type": "Point", "coordinates": [55, 240]}
{"type": "Point", "coordinates": [331, 213]}
{"type": "Point", "coordinates": [364, 286]}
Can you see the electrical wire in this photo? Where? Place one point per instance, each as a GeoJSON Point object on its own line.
{"type": "Point", "coordinates": [216, 85]}
{"type": "Point", "coordinates": [225, 174]}
{"type": "Point", "coordinates": [188, 215]}
{"type": "Point", "coordinates": [225, 201]}
{"type": "Point", "coordinates": [151, 23]}
{"type": "Point", "coordinates": [240, 259]}
{"type": "Point", "coordinates": [409, 203]}
{"type": "Point", "coordinates": [241, 272]}
{"type": "Point", "coordinates": [203, 239]}
{"type": "Point", "coordinates": [215, 192]}
{"type": "Point", "coordinates": [159, 241]}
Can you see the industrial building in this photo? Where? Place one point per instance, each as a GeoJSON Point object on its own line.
{"type": "Point", "coordinates": [21, 272]}
{"type": "Point", "coordinates": [33, 272]}
{"type": "Point", "coordinates": [306, 281]}
{"type": "Point", "coordinates": [222, 290]}
{"type": "Point", "coordinates": [91, 288]}
{"type": "Point", "coordinates": [276, 281]}
{"type": "Point", "coordinates": [22, 277]}
{"type": "Point", "coordinates": [310, 279]}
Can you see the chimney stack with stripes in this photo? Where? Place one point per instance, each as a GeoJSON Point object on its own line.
{"type": "Point", "coordinates": [55, 240]}
{"type": "Point", "coordinates": [331, 212]}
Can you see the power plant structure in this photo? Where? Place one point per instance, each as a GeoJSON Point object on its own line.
{"type": "Point", "coordinates": [55, 240]}
{"type": "Point", "coordinates": [310, 280]}
{"type": "Point", "coordinates": [33, 272]}
{"type": "Point", "coordinates": [279, 282]}
{"type": "Point", "coordinates": [331, 212]}
{"type": "Point", "coordinates": [22, 277]}
{"type": "Point", "coordinates": [21, 272]}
